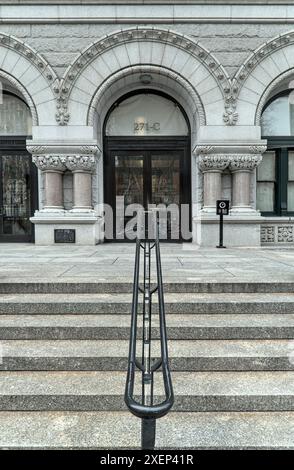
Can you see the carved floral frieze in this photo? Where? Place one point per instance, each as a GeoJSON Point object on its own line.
{"type": "Point", "coordinates": [244, 162]}
{"type": "Point", "coordinates": [73, 158]}
{"type": "Point", "coordinates": [277, 233]}
{"type": "Point", "coordinates": [49, 163]}
{"type": "Point", "coordinates": [213, 162]}
{"type": "Point", "coordinates": [80, 162]}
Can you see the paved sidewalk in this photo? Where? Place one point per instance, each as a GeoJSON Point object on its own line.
{"type": "Point", "coordinates": [114, 262]}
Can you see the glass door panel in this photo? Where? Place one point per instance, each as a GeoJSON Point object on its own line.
{"type": "Point", "coordinates": [15, 198]}
{"type": "Point", "coordinates": [166, 191]}
{"type": "Point", "coordinates": [142, 177]}
{"type": "Point", "coordinates": [129, 188]}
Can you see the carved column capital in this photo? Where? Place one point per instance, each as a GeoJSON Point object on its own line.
{"type": "Point", "coordinates": [244, 162]}
{"type": "Point", "coordinates": [49, 162]}
{"type": "Point", "coordinates": [214, 162]}
{"type": "Point", "coordinates": [80, 163]}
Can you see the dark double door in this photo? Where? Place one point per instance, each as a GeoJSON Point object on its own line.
{"type": "Point", "coordinates": [18, 193]}
{"type": "Point", "coordinates": [147, 174]}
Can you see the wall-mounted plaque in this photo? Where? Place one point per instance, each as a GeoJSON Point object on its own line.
{"type": "Point", "coordinates": [64, 235]}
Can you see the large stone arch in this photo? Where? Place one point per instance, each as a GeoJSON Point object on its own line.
{"type": "Point", "coordinates": [129, 79]}
{"type": "Point", "coordinates": [177, 55]}
{"type": "Point", "coordinates": [29, 73]}
{"type": "Point", "coordinates": [264, 70]}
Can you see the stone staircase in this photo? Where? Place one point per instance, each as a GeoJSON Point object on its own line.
{"type": "Point", "coordinates": [64, 355]}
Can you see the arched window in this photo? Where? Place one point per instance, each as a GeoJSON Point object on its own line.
{"type": "Point", "coordinates": [15, 116]}
{"type": "Point", "coordinates": [275, 174]}
{"type": "Point", "coordinates": [146, 115]}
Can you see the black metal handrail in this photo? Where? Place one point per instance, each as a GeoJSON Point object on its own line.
{"type": "Point", "coordinates": [146, 409]}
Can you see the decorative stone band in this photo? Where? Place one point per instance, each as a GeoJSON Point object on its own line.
{"type": "Point", "coordinates": [215, 162]}
{"type": "Point", "coordinates": [49, 162]}
{"type": "Point", "coordinates": [80, 162]}
{"type": "Point", "coordinates": [248, 158]}
{"type": "Point", "coordinates": [59, 158]}
{"type": "Point", "coordinates": [244, 162]}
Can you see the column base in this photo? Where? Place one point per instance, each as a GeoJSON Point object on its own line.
{"type": "Point", "coordinates": [211, 210]}
{"type": "Point", "coordinates": [88, 228]}
{"type": "Point", "coordinates": [244, 231]}
{"type": "Point", "coordinates": [244, 211]}
{"type": "Point", "coordinates": [82, 210]}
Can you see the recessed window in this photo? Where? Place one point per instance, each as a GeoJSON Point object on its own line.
{"type": "Point", "coordinates": [275, 174]}
{"type": "Point", "coordinates": [266, 181]}
{"type": "Point", "coordinates": [278, 117]}
{"type": "Point", "coordinates": [15, 116]}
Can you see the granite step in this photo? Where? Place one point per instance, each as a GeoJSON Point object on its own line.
{"type": "Point", "coordinates": [53, 286]}
{"type": "Point", "coordinates": [197, 326]}
{"type": "Point", "coordinates": [103, 391]}
{"type": "Point", "coordinates": [107, 430]}
{"type": "Point", "coordinates": [185, 355]}
{"type": "Point", "coordinates": [121, 303]}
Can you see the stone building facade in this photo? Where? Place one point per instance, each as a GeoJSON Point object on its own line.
{"type": "Point", "coordinates": [74, 63]}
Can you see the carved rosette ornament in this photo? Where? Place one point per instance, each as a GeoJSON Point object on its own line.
{"type": "Point", "coordinates": [80, 163]}
{"type": "Point", "coordinates": [48, 162]}
{"type": "Point", "coordinates": [244, 162]}
{"type": "Point", "coordinates": [216, 162]}
{"type": "Point", "coordinates": [230, 117]}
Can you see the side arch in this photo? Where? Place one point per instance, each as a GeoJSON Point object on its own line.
{"type": "Point", "coordinates": [264, 70]}
{"type": "Point", "coordinates": [16, 85]}
{"type": "Point", "coordinates": [176, 54]}
{"type": "Point", "coordinates": [31, 75]}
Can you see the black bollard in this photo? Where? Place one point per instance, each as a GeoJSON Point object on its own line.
{"type": "Point", "coordinates": [222, 208]}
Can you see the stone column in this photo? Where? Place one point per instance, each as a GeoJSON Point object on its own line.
{"type": "Point", "coordinates": [212, 167]}
{"type": "Point", "coordinates": [82, 168]}
{"type": "Point", "coordinates": [242, 167]}
{"type": "Point", "coordinates": [52, 168]}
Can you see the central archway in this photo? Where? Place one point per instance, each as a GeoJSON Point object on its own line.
{"type": "Point", "coordinates": [147, 161]}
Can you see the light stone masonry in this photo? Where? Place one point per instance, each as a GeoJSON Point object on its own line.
{"type": "Point", "coordinates": [71, 62]}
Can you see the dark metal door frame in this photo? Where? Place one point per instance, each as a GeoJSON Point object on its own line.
{"type": "Point", "coordinates": [16, 145]}
{"type": "Point", "coordinates": [147, 146]}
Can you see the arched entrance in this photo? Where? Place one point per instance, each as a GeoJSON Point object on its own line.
{"type": "Point", "coordinates": [147, 161]}
{"type": "Point", "coordinates": [18, 180]}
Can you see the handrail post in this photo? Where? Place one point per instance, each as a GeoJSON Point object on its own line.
{"type": "Point", "coordinates": [148, 427]}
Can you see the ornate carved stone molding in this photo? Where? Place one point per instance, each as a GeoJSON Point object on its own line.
{"type": "Point", "coordinates": [244, 162]}
{"type": "Point", "coordinates": [261, 53]}
{"type": "Point", "coordinates": [277, 233]}
{"type": "Point", "coordinates": [23, 49]}
{"type": "Point", "coordinates": [213, 162]}
{"type": "Point", "coordinates": [230, 116]}
{"type": "Point", "coordinates": [49, 162]}
{"type": "Point", "coordinates": [151, 69]}
{"type": "Point", "coordinates": [220, 157]}
{"type": "Point", "coordinates": [60, 157]}
{"type": "Point", "coordinates": [139, 34]}
{"type": "Point", "coordinates": [203, 149]}
{"type": "Point", "coordinates": [258, 149]}
{"type": "Point", "coordinates": [80, 162]}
